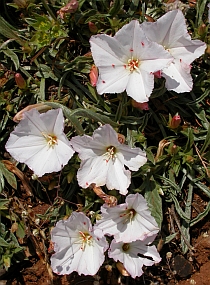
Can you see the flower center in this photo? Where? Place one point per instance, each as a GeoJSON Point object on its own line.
{"type": "Point", "coordinates": [133, 64]}
{"type": "Point", "coordinates": [51, 139]}
{"type": "Point", "coordinates": [125, 247]}
{"type": "Point", "coordinates": [110, 153]}
{"type": "Point", "coordinates": [129, 215]}
{"type": "Point", "coordinates": [86, 239]}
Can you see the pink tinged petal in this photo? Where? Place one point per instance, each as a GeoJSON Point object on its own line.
{"type": "Point", "coordinates": [178, 77]}
{"type": "Point", "coordinates": [134, 158]}
{"type": "Point", "coordinates": [140, 86]}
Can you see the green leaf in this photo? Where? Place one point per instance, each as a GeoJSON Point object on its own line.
{"type": "Point", "coordinates": [154, 201]}
{"type": "Point", "coordinates": [201, 215]}
{"type": "Point", "coordinates": [116, 7]}
{"type": "Point", "coordinates": [67, 112]}
{"type": "Point", "coordinates": [185, 227]}
{"type": "Point", "coordinates": [2, 204]}
{"type": "Point", "coordinates": [3, 242]}
{"type": "Point", "coordinates": [13, 56]}
{"type": "Point", "coordinates": [9, 176]}
{"type": "Point", "coordinates": [94, 116]}
{"type": "Point", "coordinates": [190, 140]}
{"type": "Point", "coordinates": [206, 142]}
{"type": "Point", "coordinates": [21, 230]}
{"type": "Point", "coordinates": [8, 31]}
{"type": "Point", "coordinates": [150, 155]}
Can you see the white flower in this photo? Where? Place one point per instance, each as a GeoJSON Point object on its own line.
{"type": "Point", "coordinates": [171, 32]}
{"type": "Point", "coordinates": [39, 141]}
{"type": "Point", "coordinates": [134, 255]}
{"type": "Point", "coordinates": [103, 159]}
{"type": "Point", "coordinates": [76, 246]}
{"type": "Point", "coordinates": [129, 221]}
{"type": "Point", "coordinates": [127, 61]}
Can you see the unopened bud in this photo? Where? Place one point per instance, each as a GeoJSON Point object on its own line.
{"type": "Point", "coordinates": [202, 30]}
{"type": "Point", "coordinates": [158, 74]}
{"type": "Point", "coordinates": [93, 75]}
{"type": "Point", "coordinates": [175, 122]}
{"type": "Point", "coordinates": [71, 7]}
{"type": "Point", "coordinates": [121, 138]}
{"type": "Point", "coordinates": [20, 81]}
{"type": "Point", "coordinates": [141, 106]}
{"type": "Point", "coordinates": [122, 269]}
{"type": "Point", "coordinates": [92, 27]}
{"type": "Point", "coordinates": [21, 3]}
{"type": "Point", "coordinates": [108, 268]}
{"type": "Point", "coordinates": [14, 227]}
{"type": "Point", "coordinates": [40, 107]}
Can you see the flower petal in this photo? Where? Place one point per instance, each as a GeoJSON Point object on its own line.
{"type": "Point", "coordinates": [140, 86]}
{"type": "Point", "coordinates": [178, 77]}
{"type": "Point", "coordinates": [112, 79]}
{"type": "Point", "coordinates": [187, 50]}
{"type": "Point", "coordinates": [134, 255]}
{"type": "Point", "coordinates": [134, 158]}
{"type": "Point", "coordinates": [129, 221]}
{"type": "Point", "coordinates": [92, 170]}
{"type": "Point", "coordinates": [76, 246]}
{"type": "Point", "coordinates": [167, 30]}
{"type": "Point", "coordinates": [53, 120]}
{"type": "Point", "coordinates": [117, 177]}
{"type": "Point", "coordinates": [29, 142]}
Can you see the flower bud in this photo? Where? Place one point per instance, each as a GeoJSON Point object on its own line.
{"type": "Point", "coordinates": [175, 122]}
{"type": "Point", "coordinates": [39, 106]}
{"type": "Point", "coordinates": [92, 27]}
{"type": "Point", "coordinates": [202, 30]}
{"type": "Point", "coordinates": [93, 75]}
{"type": "Point", "coordinates": [71, 7]}
{"type": "Point", "coordinates": [158, 74]}
{"type": "Point", "coordinates": [20, 81]}
{"type": "Point", "coordinates": [20, 3]}
{"type": "Point", "coordinates": [121, 138]}
{"type": "Point", "coordinates": [141, 106]}
{"type": "Point", "coordinates": [122, 269]}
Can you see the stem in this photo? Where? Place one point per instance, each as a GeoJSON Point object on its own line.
{"type": "Point", "coordinates": [48, 9]}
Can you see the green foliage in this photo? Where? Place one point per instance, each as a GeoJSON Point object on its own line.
{"type": "Point", "coordinates": [53, 55]}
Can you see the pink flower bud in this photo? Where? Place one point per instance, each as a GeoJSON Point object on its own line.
{"type": "Point", "coordinates": [71, 7]}
{"type": "Point", "coordinates": [93, 75]}
{"type": "Point", "coordinates": [141, 106]}
{"type": "Point", "coordinates": [158, 74]}
{"type": "Point", "coordinates": [92, 27]}
{"type": "Point", "coordinates": [20, 81]}
{"type": "Point", "coordinates": [121, 138]}
{"type": "Point", "coordinates": [175, 122]}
